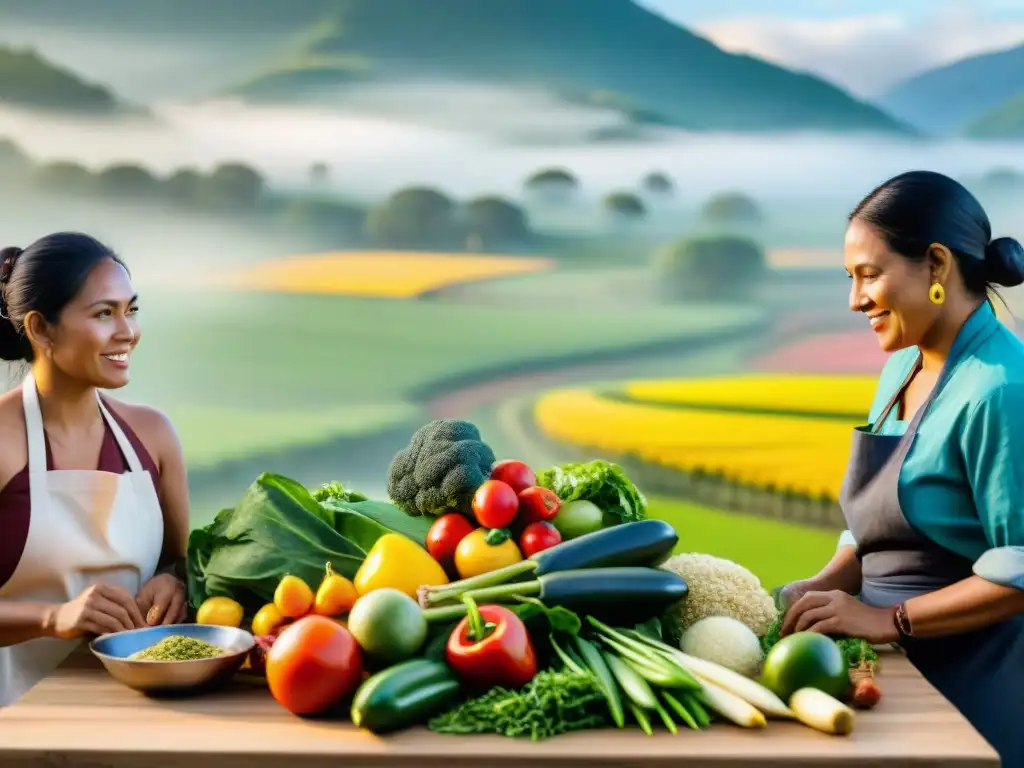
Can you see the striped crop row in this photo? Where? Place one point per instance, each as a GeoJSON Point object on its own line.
{"type": "Point", "coordinates": [779, 447]}
{"type": "Point", "coordinates": [400, 275]}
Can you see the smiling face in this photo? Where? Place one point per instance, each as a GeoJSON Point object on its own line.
{"type": "Point", "coordinates": [97, 330]}
{"type": "Point", "coordinates": [890, 289]}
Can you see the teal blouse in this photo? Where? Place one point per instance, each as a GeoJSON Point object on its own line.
{"type": "Point", "coordinates": [962, 483]}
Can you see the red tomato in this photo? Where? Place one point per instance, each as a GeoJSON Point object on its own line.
{"type": "Point", "coordinates": [538, 504]}
{"type": "Point", "coordinates": [495, 504]}
{"type": "Point", "coordinates": [313, 664]}
{"type": "Point", "coordinates": [537, 537]}
{"type": "Point", "coordinates": [445, 534]}
{"type": "Point", "coordinates": [515, 473]}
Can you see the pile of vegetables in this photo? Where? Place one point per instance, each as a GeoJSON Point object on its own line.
{"type": "Point", "coordinates": [860, 661]}
{"type": "Point", "coordinates": [278, 528]}
{"type": "Point", "coordinates": [488, 597]}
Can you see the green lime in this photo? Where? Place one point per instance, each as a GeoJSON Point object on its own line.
{"type": "Point", "coordinates": [805, 660]}
{"type": "Point", "coordinates": [388, 625]}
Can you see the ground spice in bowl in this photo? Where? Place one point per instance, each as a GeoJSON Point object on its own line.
{"type": "Point", "coordinates": [178, 648]}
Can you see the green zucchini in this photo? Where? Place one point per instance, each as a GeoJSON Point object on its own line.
{"type": "Point", "coordinates": [404, 695]}
{"type": "Point", "coordinates": [625, 595]}
{"type": "Point", "coordinates": [643, 543]}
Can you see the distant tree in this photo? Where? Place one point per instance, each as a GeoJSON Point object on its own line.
{"type": "Point", "coordinates": [658, 183]}
{"type": "Point", "coordinates": [319, 173]}
{"type": "Point", "coordinates": [14, 163]}
{"type": "Point", "coordinates": [625, 205]}
{"type": "Point", "coordinates": [489, 220]}
{"type": "Point", "coordinates": [1003, 178]}
{"type": "Point", "coordinates": [732, 208]}
{"type": "Point", "coordinates": [414, 217]}
{"type": "Point", "coordinates": [233, 186]}
{"type": "Point", "coordinates": [553, 184]}
{"type": "Point", "coordinates": [63, 178]}
{"type": "Point", "coordinates": [127, 181]}
{"type": "Point", "coordinates": [183, 187]}
{"type": "Point", "coordinates": [329, 221]}
{"type": "Point", "coordinates": [712, 268]}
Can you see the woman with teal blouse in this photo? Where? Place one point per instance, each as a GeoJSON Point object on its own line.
{"type": "Point", "coordinates": [933, 558]}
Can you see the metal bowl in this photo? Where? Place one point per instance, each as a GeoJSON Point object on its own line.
{"type": "Point", "coordinates": [171, 677]}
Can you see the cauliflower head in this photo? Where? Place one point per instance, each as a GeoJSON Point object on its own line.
{"type": "Point", "coordinates": [718, 587]}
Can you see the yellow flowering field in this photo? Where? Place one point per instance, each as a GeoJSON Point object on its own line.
{"type": "Point", "coordinates": [756, 391]}
{"type": "Point", "coordinates": [379, 274]}
{"type": "Point", "coordinates": [804, 454]}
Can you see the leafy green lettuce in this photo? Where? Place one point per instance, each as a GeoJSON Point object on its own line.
{"type": "Point", "coordinates": [602, 482]}
{"type": "Point", "coordinates": [278, 528]}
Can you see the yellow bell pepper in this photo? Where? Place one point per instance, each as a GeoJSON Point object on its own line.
{"type": "Point", "coordinates": [483, 551]}
{"type": "Point", "coordinates": [400, 563]}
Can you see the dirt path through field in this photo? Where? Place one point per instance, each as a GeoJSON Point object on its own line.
{"type": "Point", "coordinates": [362, 462]}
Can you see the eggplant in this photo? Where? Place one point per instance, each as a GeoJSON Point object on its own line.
{"type": "Point", "coordinates": [646, 543]}
{"type": "Point", "coordinates": [622, 595]}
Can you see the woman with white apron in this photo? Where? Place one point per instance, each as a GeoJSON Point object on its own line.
{"type": "Point", "coordinates": [90, 545]}
{"type": "Point", "coordinates": [934, 491]}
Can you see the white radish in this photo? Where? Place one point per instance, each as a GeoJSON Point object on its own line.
{"type": "Point", "coordinates": [822, 712]}
{"type": "Point", "coordinates": [749, 690]}
{"type": "Point", "coordinates": [730, 706]}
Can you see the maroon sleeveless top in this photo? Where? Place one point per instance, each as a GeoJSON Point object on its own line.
{"type": "Point", "coordinates": [16, 506]}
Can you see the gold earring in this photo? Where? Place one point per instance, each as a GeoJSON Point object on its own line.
{"type": "Point", "coordinates": [937, 294]}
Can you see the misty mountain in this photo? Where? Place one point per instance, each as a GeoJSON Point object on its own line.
{"type": "Point", "coordinates": [30, 81]}
{"type": "Point", "coordinates": [948, 99]}
{"type": "Point", "coordinates": [1004, 122]}
{"type": "Point", "coordinates": [215, 17]}
{"type": "Point", "coordinates": [599, 50]}
{"type": "Point", "coordinates": [605, 53]}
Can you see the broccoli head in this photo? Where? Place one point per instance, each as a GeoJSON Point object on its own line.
{"type": "Point", "coordinates": [440, 469]}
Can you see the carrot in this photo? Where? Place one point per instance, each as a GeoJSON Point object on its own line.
{"type": "Point", "coordinates": [865, 692]}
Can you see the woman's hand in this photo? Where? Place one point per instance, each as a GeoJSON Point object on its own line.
{"type": "Point", "coordinates": [162, 600]}
{"type": "Point", "coordinates": [792, 592]}
{"type": "Point", "coordinates": [100, 609]}
{"type": "Point", "coordinates": [837, 613]}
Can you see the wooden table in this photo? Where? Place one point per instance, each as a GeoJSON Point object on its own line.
{"type": "Point", "coordinates": [81, 717]}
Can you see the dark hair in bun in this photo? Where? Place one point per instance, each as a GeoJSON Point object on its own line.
{"type": "Point", "coordinates": [918, 208]}
{"type": "Point", "coordinates": [43, 278]}
{"type": "Point", "coordinates": [1004, 262]}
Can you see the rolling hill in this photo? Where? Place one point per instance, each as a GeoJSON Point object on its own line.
{"type": "Point", "coordinates": [649, 64]}
{"type": "Point", "coordinates": [30, 81]}
{"type": "Point", "coordinates": [947, 100]}
{"type": "Point", "coordinates": [1004, 122]}
{"type": "Point", "coordinates": [599, 51]}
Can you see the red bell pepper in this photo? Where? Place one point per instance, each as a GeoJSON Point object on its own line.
{"type": "Point", "coordinates": [491, 647]}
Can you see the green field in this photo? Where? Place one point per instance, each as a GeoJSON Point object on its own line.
{"type": "Point", "coordinates": [243, 371]}
{"type": "Point", "coordinates": [777, 552]}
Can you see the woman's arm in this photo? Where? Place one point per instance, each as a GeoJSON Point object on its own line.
{"type": "Point", "coordinates": [25, 621]}
{"type": "Point", "coordinates": [174, 500]}
{"type": "Point", "coordinates": [969, 604]}
{"type": "Point", "coordinates": [172, 485]}
{"type": "Point", "coordinates": [842, 572]}
{"type": "Point", "coordinates": [992, 446]}
{"type": "Point", "coordinates": [163, 599]}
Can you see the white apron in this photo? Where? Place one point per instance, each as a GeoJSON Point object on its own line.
{"type": "Point", "coordinates": [86, 527]}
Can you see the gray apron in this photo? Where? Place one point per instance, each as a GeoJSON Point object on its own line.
{"type": "Point", "coordinates": [980, 672]}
